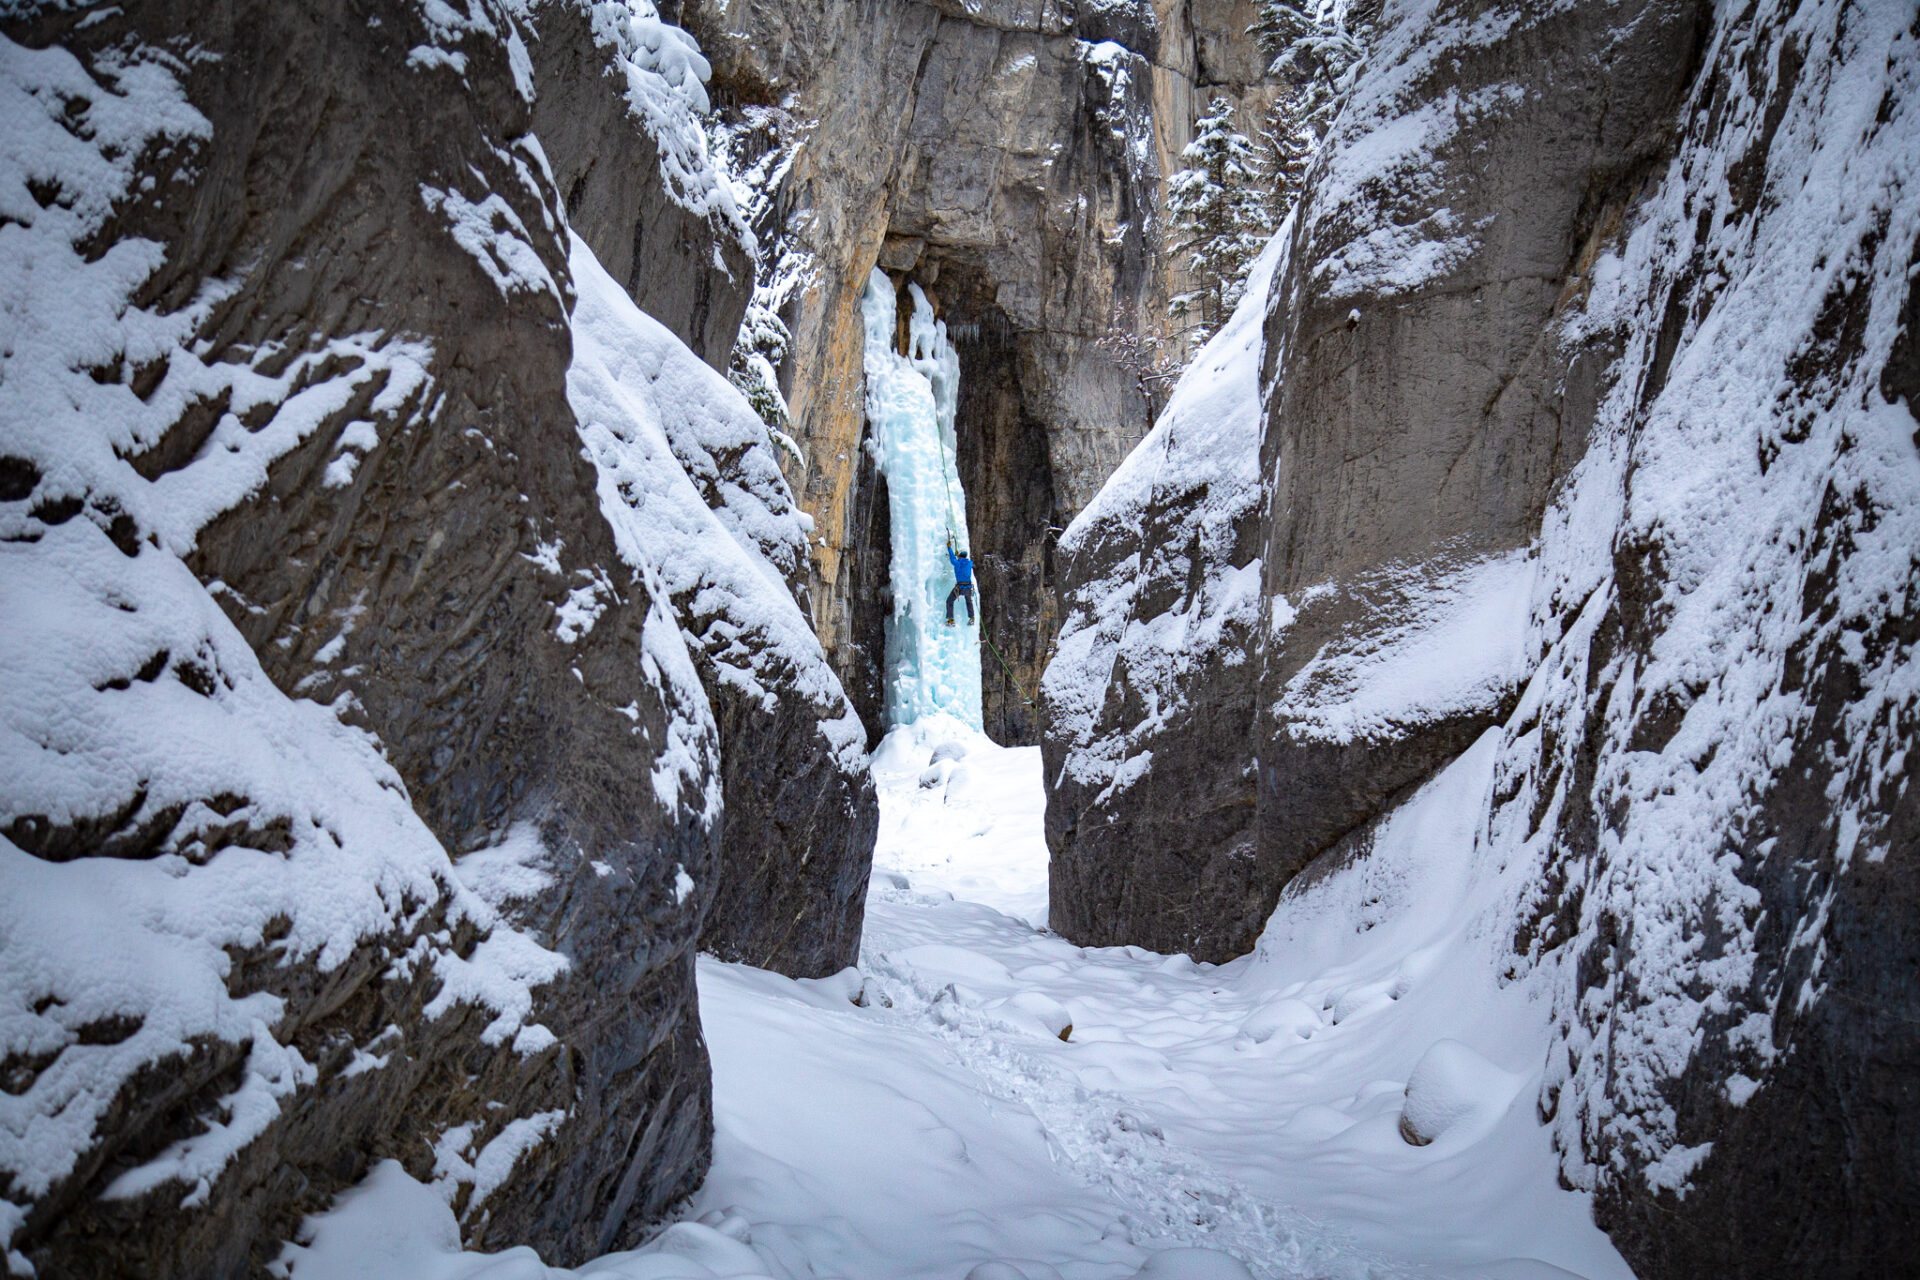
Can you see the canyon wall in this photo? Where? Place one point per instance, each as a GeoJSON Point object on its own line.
{"type": "Point", "coordinates": [408, 651]}
{"type": "Point", "coordinates": [1010, 157]}
{"type": "Point", "coordinates": [1585, 419]}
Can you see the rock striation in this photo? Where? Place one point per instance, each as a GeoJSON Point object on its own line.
{"type": "Point", "coordinates": [1586, 421]}
{"type": "Point", "coordinates": [367, 770]}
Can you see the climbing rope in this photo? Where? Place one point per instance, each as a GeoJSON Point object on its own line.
{"type": "Point", "coordinates": [1011, 678]}
{"type": "Point", "coordinates": [945, 472]}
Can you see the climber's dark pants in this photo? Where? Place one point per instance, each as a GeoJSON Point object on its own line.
{"type": "Point", "coordinates": [960, 589]}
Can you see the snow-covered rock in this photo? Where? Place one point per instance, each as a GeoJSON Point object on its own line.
{"type": "Point", "coordinates": [688, 482]}
{"type": "Point", "coordinates": [618, 107]}
{"type": "Point", "coordinates": [1588, 421]}
{"type": "Point", "coordinates": [360, 796]}
{"type": "Point", "coordinates": [1710, 763]}
{"type": "Point", "coordinates": [1149, 697]}
{"type": "Point", "coordinates": [1451, 1087]}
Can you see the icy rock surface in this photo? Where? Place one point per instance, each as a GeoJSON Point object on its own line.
{"type": "Point", "coordinates": [931, 668]}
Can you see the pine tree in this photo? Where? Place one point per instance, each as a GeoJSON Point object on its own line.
{"type": "Point", "coordinates": [1286, 147]}
{"type": "Point", "coordinates": [1314, 53]}
{"type": "Point", "coordinates": [1307, 43]}
{"type": "Point", "coordinates": [1220, 221]}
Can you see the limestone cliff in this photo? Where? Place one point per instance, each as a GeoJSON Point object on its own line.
{"type": "Point", "coordinates": [1010, 157]}
{"type": "Point", "coordinates": [800, 810]}
{"type": "Point", "coordinates": [363, 796]}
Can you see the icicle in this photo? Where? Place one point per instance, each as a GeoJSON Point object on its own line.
{"type": "Point", "coordinates": [911, 401]}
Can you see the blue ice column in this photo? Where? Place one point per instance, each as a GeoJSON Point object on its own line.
{"type": "Point", "coordinates": [910, 402]}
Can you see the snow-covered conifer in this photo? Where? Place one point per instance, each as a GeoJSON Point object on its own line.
{"type": "Point", "coordinates": [1315, 47]}
{"type": "Point", "coordinates": [1220, 220]}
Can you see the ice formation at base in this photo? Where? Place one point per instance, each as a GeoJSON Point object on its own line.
{"type": "Point", "coordinates": [931, 668]}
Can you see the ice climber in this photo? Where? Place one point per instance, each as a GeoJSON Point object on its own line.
{"type": "Point", "coordinates": [962, 581]}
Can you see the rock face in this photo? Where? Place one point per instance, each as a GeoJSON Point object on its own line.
{"type": "Point", "coordinates": [1424, 407]}
{"type": "Point", "coordinates": [1009, 157]}
{"type": "Point", "coordinates": [692, 491]}
{"type": "Point", "coordinates": [1150, 802]}
{"type": "Point", "coordinates": [1422, 413]}
{"type": "Point", "coordinates": [1588, 420]}
{"type": "Point", "coordinates": [800, 809]}
{"type": "Point", "coordinates": [606, 161]}
{"type": "Point", "coordinates": [363, 798]}
{"type": "Point", "coordinates": [1736, 1062]}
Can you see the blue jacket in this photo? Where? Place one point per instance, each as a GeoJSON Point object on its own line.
{"type": "Point", "coordinates": [962, 569]}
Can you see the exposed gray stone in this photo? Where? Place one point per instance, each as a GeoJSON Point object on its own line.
{"type": "Point", "coordinates": [987, 152]}
{"type": "Point", "coordinates": [1422, 422]}
{"type": "Point", "coordinates": [607, 168]}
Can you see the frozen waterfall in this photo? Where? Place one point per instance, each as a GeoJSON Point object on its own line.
{"type": "Point", "coordinates": [910, 402]}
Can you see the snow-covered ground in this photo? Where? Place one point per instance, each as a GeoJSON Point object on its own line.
{"type": "Point", "coordinates": [925, 1115]}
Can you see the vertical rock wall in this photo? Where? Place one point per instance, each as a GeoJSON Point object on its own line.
{"type": "Point", "coordinates": [800, 810]}
{"type": "Point", "coordinates": [1587, 417]}
{"type": "Point", "coordinates": [362, 798]}
{"type": "Point", "coordinates": [386, 559]}
{"type": "Point", "coordinates": [1425, 404]}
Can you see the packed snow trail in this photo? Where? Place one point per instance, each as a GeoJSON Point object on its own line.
{"type": "Point", "coordinates": [923, 1117]}
{"type": "Point", "coordinates": [1252, 1108]}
